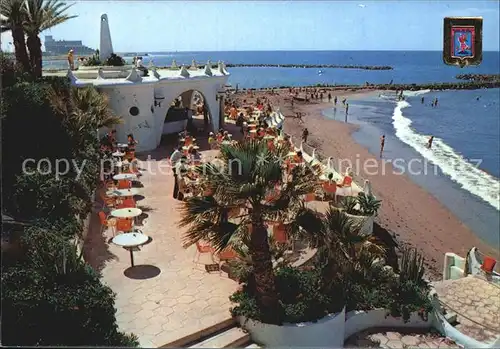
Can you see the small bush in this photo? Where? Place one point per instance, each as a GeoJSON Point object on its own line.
{"type": "Point", "coordinates": [115, 61]}
{"type": "Point", "coordinates": [301, 294]}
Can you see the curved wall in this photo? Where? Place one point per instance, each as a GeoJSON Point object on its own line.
{"type": "Point", "coordinates": [141, 96]}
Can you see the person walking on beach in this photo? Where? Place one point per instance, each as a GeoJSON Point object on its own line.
{"type": "Point", "coordinates": [422, 100]}
{"type": "Point", "coordinates": [71, 60]}
{"type": "Point", "coordinates": [347, 108]}
{"type": "Point", "coordinates": [329, 97]}
{"type": "Point", "coordinates": [429, 143]}
{"type": "Point", "coordinates": [305, 134]}
{"type": "Point", "coordinates": [343, 101]}
{"type": "Point", "coordinates": [382, 145]}
{"type": "Point", "coordinates": [335, 100]}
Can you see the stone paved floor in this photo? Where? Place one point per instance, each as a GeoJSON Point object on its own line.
{"type": "Point", "coordinates": [374, 338]}
{"type": "Point", "coordinates": [166, 296]}
{"type": "Point", "coordinates": [476, 303]}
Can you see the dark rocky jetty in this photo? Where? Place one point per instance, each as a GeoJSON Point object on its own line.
{"type": "Point", "coordinates": [478, 77]}
{"type": "Point", "coordinates": [470, 85]}
{"type": "Point", "coordinates": [335, 66]}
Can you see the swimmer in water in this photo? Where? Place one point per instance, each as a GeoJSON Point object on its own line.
{"type": "Point", "coordinates": [429, 143]}
{"type": "Point", "coordinates": [382, 144]}
{"type": "Point", "coordinates": [422, 100]}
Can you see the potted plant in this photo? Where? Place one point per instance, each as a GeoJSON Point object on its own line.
{"type": "Point", "coordinates": [362, 209]}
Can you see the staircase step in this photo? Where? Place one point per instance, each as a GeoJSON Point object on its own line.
{"type": "Point", "coordinates": [190, 336]}
{"type": "Point", "coordinates": [233, 337]}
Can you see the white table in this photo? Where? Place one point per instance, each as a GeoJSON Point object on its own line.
{"type": "Point", "coordinates": [118, 154]}
{"type": "Point", "coordinates": [129, 241]}
{"type": "Point", "coordinates": [122, 192]}
{"type": "Point", "coordinates": [128, 176]}
{"type": "Point", "coordinates": [268, 137]}
{"type": "Point", "coordinates": [126, 212]}
{"type": "Point", "coordinates": [122, 145]}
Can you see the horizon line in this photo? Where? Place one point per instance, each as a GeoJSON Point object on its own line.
{"type": "Point", "coordinates": [295, 50]}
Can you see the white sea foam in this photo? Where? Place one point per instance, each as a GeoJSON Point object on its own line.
{"type": "Point", "coordinates": [463, 171]}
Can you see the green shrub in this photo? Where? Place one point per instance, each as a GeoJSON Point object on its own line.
{"type": "Point", "coordinates": [114, 60]}
{"type": "Point", "coordinates": [301, 294]}
{"type": "Point", "coordinates": [92, 61]}
{"type": "Point", "coordinates": [51, 298]}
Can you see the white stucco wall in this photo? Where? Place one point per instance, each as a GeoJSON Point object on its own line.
{"type": "Point", "coordinates": [327, 332]}
{"type": "Point", "coordinates": [142, 126]}
{"type": "Point", "coordinates": [169, 90]}
{"type": "Point", "coordinates": [357, 321]}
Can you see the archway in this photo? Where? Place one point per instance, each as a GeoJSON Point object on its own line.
{"type": "Point", "coordinates": [188, 110]}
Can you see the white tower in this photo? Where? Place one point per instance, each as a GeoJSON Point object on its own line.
{"type": "Point", "coordinates": [106, 47]}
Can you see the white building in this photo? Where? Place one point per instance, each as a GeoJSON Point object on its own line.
{"type": "Point", "coordinates": [143, 101]}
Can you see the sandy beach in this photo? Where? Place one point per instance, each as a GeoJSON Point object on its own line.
{"type": "Point", "coordinates": [409, 213]}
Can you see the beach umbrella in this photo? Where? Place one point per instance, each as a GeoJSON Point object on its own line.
{"type": "Point", "coordinates": [367, 189]}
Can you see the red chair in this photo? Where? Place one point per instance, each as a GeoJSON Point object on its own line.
{"type": "Point", "coordinates": [279, 233]}
{"type": "Point", "coordinates": [124, 225]}
{"type": "Point", "coordinates": [346, 183]}
{"type": "Point", "coordinates": [203, 248]}
{"type": "Point", "coordinates": [128, 202]}
{"type": "Point", "coordinates": [124, 184]}
{"type": "Point", "coordinates": [107, 223]}
{"type": "Point", "coordinates": [226, 255]}
{"type": "Point", "coordinates": [488, 265]}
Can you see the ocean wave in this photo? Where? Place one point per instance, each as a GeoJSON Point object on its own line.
{"type": "Point", "coordinates": [415, 93]}
{"type": "Point", "coordinates": [460, 170]}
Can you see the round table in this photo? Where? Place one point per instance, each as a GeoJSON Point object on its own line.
{"type": "Point", "coordinates": [269, 137]}
{"type": "Point", "coordinates": [126, 212]}
{"type": "Point", "coordinates": [128, 176]}
{"type": "Point", "coordinates": [186, 147]}
{"type": "Point", "coordinates": [118, 154]}
{"type": "Point", "coordinates": [129, 241]}
{"type": "Point", "coordinates": [292, 153]}
{"type": "Point", "coordinates": [122, 145]}
{"type": "Point", "coordinates": [226, 142]}
{"type": "Point", "coordinates": [122, 192]}
{"type": "Point", "coordinates": [253, 131]}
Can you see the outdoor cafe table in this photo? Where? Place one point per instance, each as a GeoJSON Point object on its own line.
{"type": "Point", "coordinates": [126, 212]}
{"type": "Point", "coordinates": [122, 145]}
{"type": "Point", "coordinates": [123, 192]}
{"type": "Point", "coordinates": [129, 241]}
{"type": "Point", "coordinates": [127, 176]}
{"type": "Point", "coordinates": [269, 137]}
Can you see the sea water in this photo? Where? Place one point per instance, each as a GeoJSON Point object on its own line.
{"type": "Point", "coordinates": [461, 169]}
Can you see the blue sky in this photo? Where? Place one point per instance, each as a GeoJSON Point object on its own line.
{"type": "Point", "coordinates": [272, 25]}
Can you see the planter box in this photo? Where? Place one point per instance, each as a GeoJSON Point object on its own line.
{"type": "Point", "coordinates": [366, 221]}
{"type": "Point", "coordinates": [327, 332]}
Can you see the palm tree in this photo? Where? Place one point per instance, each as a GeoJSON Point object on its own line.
{"type": "Point", "coordinates": [13, 18]}
{"type": "Point", "coordinates": [84, 106]}
{"type": "Point", "coordinates": [347, 258]}
{"type": "Point", "coordinates": [246, 174]}
{"type": "Point", "coordinates": [42, 15]}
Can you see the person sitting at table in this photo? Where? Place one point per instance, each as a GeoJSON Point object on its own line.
{"type": "Point", "coordinates": [260, 132]}
{"type": "Point", "coordinates": [240, 120]}
{"type": "Point", "coordinates": [212, 142]}
{"type": "Point", "coordinates": [298, 159]}
{"type": "Point", "coordinates": [180, 170]}
{"type": "Point", "coordinates": [225, 136]}
{"type": "Point", "coordinates": [194, 156]}
{"type": "Point", "coordinates": [330, 187]}
{"type": "Point", "coordinates": [131, 142]}
{"type": "Point", "coordinates": [220, 136]}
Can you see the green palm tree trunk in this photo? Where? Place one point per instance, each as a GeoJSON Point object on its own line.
{"type": "Point", "coordinates": [20, 48]}
{"type": "Point", "coordinates": [35, 49]}
{"type": "Point", "coordinates": [263, 273]}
